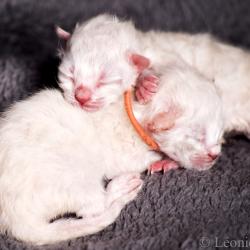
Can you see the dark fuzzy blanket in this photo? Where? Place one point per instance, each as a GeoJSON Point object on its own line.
{"type": "Point", "coordinates": [181, 209]}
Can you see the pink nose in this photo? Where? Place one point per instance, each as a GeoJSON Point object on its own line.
{"type": "Point", "coordinates": [82, 94]}
{"type": "Point", "coordinates": [213, 156]}
{"type": "Point", "coordinates": [214, 152]}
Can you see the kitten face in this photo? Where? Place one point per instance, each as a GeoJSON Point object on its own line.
{"type": "Point", "coordinates": [98, 63]}
{"type": "Point", "coordinates": [192, 146]}
{"type": "Point", "coordinates": [94, 87]}
{"type": "Point", "coordinates": [185, 117]}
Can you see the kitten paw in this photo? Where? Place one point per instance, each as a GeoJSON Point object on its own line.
{"type": "Point", "coordinates": [124, 188]}
{"type": "Point", "coordinates": [163, 165]}
{"type": "Point", "coordinates": [146, 87]}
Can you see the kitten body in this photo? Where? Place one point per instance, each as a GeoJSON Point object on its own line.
{"type": "Point", "coordinates": [53, 159]}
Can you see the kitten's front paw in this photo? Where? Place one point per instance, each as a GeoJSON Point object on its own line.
{"type": "Point", "coordinates": [124, 188]}
{"type": "Point", "coordinates": [146, 86]}
{"type": "Point", "coordinates": [162, 165]}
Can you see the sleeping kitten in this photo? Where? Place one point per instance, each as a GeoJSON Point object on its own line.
{"type": "Point", "coordinates": [54, 156]}
{"type": "Point", "coordinates": [227, 68]}
{"type": "Point", "coordinates": [44, 138]}
{"type": "Point", "coordinates": [101, 60]}
{"type": "Point", "coordinates": [106, 48]}
{"type": "Point", "coordinates": [53, 159]}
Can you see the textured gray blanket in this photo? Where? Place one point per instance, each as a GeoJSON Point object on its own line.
{"type": "Point", "coordinates": [181, 209]}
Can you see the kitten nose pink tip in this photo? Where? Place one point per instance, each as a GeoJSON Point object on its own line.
{"type": "Point", "coordinates": [82, 94]}
{"type": "Point", "coordinates": [213, 156]}
{"type": "Point", "coordinates": [214, 152]}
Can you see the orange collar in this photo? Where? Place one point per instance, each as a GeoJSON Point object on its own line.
{"type": "Point", "coordinates": [139, 129]}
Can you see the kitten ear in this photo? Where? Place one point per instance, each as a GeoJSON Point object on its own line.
{"type": "Point", "coordinates": [62, 34]}
{"type": "Point", "coordinates": [139, 61]}
{"type": "Point", "coordinates": [164, 120]}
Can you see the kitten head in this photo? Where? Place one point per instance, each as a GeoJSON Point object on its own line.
{"type": "Point", "coordinates": [185, 118]}
{"type": "Point", "coordinates": [192, 144]}
{"type": "Point", "coordinates": [99, 62]}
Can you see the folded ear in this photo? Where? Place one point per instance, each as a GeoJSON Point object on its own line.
{"type": "Point", "coordinates": [139, 61]}
{"type": "Point", "coordinates": [164, 120]}
{"type": "Point", "coordinates": [62, 34]}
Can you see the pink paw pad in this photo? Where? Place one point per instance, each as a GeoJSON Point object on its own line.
{"type": "Point", "coordinates": [146, 87]}
{"type": "Point", "coordinates": [163, 165]}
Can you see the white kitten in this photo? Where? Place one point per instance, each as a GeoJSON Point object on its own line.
{"type": "Point", "coordinates": [46, 142]}
{"type": "Point", "coordinates": [185, 117]}
{"type": "Point", "coordinates": [227, 66]}
{"type": "Point", "coordinates": [53, 158]}
{"type": "Point", "coordinates": [99, 62]}
{"type": "Point", "coordinates": [101, 46]}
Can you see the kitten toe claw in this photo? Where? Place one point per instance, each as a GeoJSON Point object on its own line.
{"type": "Point", "coordinates": [162, 165]}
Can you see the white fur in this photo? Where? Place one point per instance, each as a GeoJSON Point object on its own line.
{"type": "Point", "coordinates": [101, 45]}
{"type": "Point", "coordinates": [199, 128]}
{"type": "Point", "coordinates": [217, 70]}
{"type": "Point", "coordinates": [227, 66]}
{"type": "Point", "coordinates": [172, 56]}
{"type": "Point", "coordinates": [53, 158]}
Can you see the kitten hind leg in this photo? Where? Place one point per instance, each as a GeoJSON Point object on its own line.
{"type": "Point", "coordinates": [123, 185]}
{"type": "Point", "coordinates": [120, 191]}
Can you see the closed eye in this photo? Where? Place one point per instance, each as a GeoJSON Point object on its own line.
{"type": "Point", "coordinates": [111, 80]}
{"type": "Point", "coordinates": [68, 75]}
